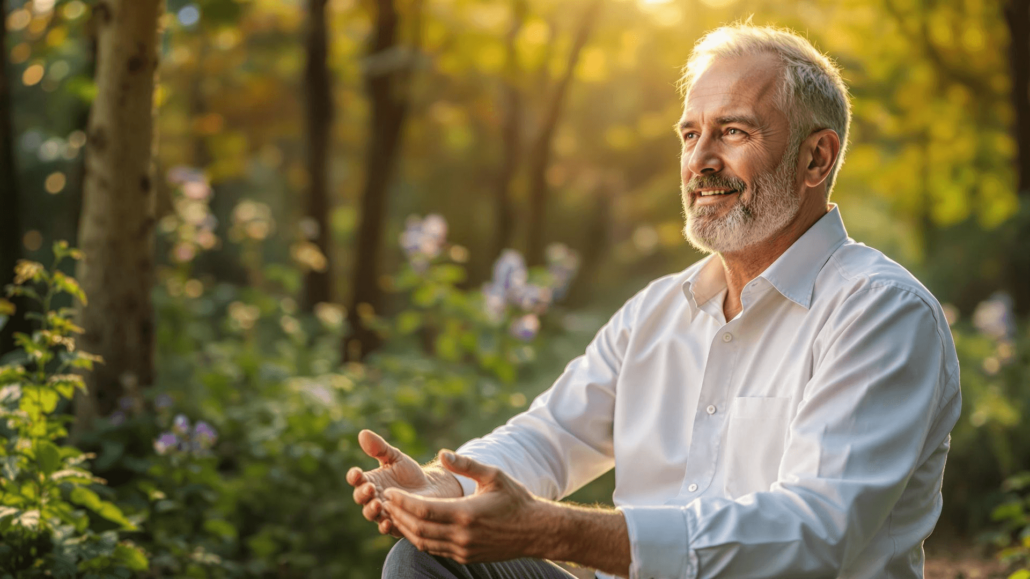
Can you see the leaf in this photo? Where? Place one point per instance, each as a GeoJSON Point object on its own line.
{"type": "Point", "coordinates": [408, 321]}
{"type": "Point", "coordinates": [85, 360]}
{"type": "Point", "coordinates": [89, 499]}
{"type": "Point", "coordinates": [26, 271]}
{"type": "Point", "coordinates": [67, 384]}
{"type": "Point", "coordinates": [28, 520]}
{"type": "Point", "coordinates": [131, 556]}
{"type": "Point", "coordinates": [11, 374]}
{"type": "Point", "coordinates": [6, 308]}
{"type": "Point", "coordinates": [7, 512]}
{"type": "Point", "coordinates": [48, 457]}
{"type": "Point", "coordinates": [38, 398]}
{"type": "Point", "coordinates": [1021, 574]}
{"type": "Point", "coordinates": [9, 467]}
{"type": "Point", "coordinates": [68, 285]}
{"type": "Point", "coordinates": [74, 476]}
{"type": "Point", "coordinates": [220, 527]}
{"type": "Point", "coordinates": [62, 250]}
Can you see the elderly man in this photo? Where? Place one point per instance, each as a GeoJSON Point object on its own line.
{"type": "Point", "coordinates": [781, 408]}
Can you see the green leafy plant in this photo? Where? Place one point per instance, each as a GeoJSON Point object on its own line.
{"type": "Point", "coordinates": [53, 519]}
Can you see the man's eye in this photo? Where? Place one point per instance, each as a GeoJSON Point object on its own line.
{"type": "Point", "coordinates": [688, 136]}
{"type": "Point", "coordinates": [734, 132]}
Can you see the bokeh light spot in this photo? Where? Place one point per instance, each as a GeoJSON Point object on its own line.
{"type": "Point", "coordinates": [189, 15]}
{"type": "Point", "coordinates": [18, 19]}
{"type": "Point", "coordinates": [32, 75]}
{"type": "Point", "coordinates": [20, 53]}
{"type": "Point", "coordinates": [55, 183]}
{"type": "Point", "coordinates": [74, 9]}
{"type": "Point", "coordinates": [32, 240]}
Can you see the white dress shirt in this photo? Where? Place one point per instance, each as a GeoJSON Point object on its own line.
{"type": "Point", "coordinates": [804, 438]}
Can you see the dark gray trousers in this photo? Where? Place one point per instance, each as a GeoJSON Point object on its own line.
{"type": "Point", "coordinates": [407, 562]}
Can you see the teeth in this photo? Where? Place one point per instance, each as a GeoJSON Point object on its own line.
{"type": "Point", "coordinates": [710, 193]}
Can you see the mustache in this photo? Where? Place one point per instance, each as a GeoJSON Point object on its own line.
{"type": "Point", "coordinates": [714, 182]}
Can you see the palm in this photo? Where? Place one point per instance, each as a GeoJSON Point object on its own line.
{"type": "Point", "coordinates": [404, 473]}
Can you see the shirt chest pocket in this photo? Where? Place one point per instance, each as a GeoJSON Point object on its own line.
{"type": "Point", "coordinates": [755, 438]}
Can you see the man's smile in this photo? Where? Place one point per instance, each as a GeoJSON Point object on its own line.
{"type": "Point", "coordinates": [712, 196]}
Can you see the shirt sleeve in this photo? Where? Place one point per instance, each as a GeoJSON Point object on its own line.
{"type": "Point", "coordinates": [564, 439]}
{"type": "Point", "coordinates": [883, 397]}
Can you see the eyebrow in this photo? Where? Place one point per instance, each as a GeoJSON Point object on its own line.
{"type": "Point", "coordinates": [747, 120]}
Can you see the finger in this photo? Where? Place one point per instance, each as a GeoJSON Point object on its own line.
{"type": "Point", "coordinates": [439, 510]}
{"type": "Point", "coordinates": [466, 466]}
{"type": "Point", "coordinates": [372, 510]}
{"type": "Point", "coordinates": [364, 493]}
{"type": "Point", "coordinates": [439, 547]}
{"type": "Point", "coordinates": [386, 526]}
{"type": "Point", "coordinates": [376, 447]}
{"type": "Point", "coordinates": [355, 476]}
{"type": "Point", "coordinates": [415, 527]}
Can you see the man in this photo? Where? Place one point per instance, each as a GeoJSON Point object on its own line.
{"type": "Point", "coordinates": [780, 409]}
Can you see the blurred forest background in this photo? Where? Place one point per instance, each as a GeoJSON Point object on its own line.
{"type": "Point", "coordinates": [407, 215]}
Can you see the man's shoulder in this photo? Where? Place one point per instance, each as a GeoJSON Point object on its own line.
{"type": "Point", "coordinates": [857, 270]}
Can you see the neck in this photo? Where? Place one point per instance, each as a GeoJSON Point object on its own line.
{"type": "Point", "coordinates": [742, 266]}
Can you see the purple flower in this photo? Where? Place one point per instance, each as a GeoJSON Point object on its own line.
{"type": "Point", "coordinates": [562, 264]}
{"type": "Point", "coordinates": [126, 403]}
{"type": "Point", "coordinates": [534, 298]}
{"type": "Point", "coordinates": [163, 402]}
{"type": "Point", "coordinates": [116, 418]}
{"type": "Point", "coordinates": [181, 425]}
{"type": "Point", "coordinates": [204, 434]}
{"type": "Point", "coordinates": [510, 271]}
{"type": "Point", "coordinates": [994, 317]}
{"type": "Point", "coordinates": [526, 327]}
{"type": "Point", "coordinates": [494, 302]}
{"type": "Point", "coordinates": [166, 442]}
{"type": "Point", "coordinates": [423, 239]}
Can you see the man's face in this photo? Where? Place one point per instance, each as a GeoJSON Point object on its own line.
{"type": "Point", "coordinates": [738, 168]}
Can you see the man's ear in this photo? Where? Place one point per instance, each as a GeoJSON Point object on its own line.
{"type": "Point", "coordinates": [819, 151]}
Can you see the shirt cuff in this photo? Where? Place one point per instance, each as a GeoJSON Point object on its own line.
{"type": "Point", "coordinates": [659, 545]}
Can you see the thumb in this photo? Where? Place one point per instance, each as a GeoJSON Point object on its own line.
{"type": "Point", "coordinates": [466, 466]}
{"type": "Point", "coordinates": [376, 447]}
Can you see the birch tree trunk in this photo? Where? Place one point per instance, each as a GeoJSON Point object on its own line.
{"type": "Point", "coordinates": [117, 223]}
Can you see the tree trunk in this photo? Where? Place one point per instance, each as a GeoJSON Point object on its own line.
{"type": "Point", "coordinates": [116, 230]}
{"type": "Point", "coordinates": [504, 211]}
{"type": "Point", "coordinates": [540, 155]}
{"type": "Point", "coordinates": [387, 74]}
{"type": "Point", "coordinates": [318, 283]}
{"type": "Point", "coordinates": [1018, 19]}
{"type": "Point", "coordinates": [10, 217]}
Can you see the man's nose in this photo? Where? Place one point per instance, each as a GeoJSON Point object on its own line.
{"type": "Point", "coordinates": [704, 158]}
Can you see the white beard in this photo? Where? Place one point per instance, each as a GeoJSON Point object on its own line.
{"type": "Point", "coordinates": [774, 202]}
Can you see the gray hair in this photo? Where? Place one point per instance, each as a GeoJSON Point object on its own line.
{"type": "Point", "coordinates": [812, 93]}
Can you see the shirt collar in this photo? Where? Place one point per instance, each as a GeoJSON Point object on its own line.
{"type": "Point", "coordinates": [793, 274]}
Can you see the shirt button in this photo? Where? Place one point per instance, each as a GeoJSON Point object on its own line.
{"type": "Point", "coordinates": [711, 409]}
{"type": "Point", "coordinates": [727, 337]}
{"type": "Point", "coordinates": [692, 488]}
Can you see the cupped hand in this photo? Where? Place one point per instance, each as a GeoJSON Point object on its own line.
{"type": "Point", "coordinates": [501, 521]}
{"type": "Point", "coordinates": [396, 470]}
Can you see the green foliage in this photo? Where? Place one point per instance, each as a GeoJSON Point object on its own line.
{"type": "Point", "coordinates": [53, 521]}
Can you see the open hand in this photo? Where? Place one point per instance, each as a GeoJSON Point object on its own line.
{"type": "Point", "coordinates": [396, 470]}
{"type": "Point", "coordinates": [501, 521]}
